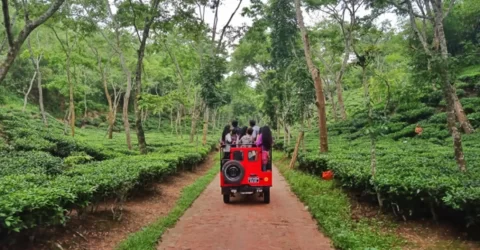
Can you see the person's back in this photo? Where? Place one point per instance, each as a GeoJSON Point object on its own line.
{"type": "Point", "coordinates": [236, 131]}
{"type": "Point", "coordinates": [247, 140]}
{"type": "Point", "coordinates": [256, 129]}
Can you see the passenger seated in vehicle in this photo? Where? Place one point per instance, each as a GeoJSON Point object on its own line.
{"type": "Point", "coordinates": [226, 141]}
{"type": "Point", "coordinates": [247, 140]}
{"type": "Point", "coordinates": [265, 141]}
{"type": "Point", "coordinates": [243, 132]}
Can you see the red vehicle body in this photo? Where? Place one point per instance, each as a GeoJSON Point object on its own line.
{"type": "Point", "coordinates": [243, 173]}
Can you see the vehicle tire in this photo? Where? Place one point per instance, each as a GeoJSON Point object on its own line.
{"type": "Point", "coordinates": [226, 198]}
{"type": "Point", "coordinates": [233, 172]}
{"type": "Point", "coordinates": [266, 196]}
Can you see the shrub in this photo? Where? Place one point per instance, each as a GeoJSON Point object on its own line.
{"type": "Point", "coordinates": [414, 174]}
{"type": "Point", "coordinates": [29, 162]}
{"type": "Point", "coordinates": [474, 119]}
{"type": "Point", "coordinates": [470, 105]}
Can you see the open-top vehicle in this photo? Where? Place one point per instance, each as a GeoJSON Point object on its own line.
{"type": "Point", "coordinates": [243, 173]}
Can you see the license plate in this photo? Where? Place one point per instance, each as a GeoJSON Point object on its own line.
{"type": "Point", "coordinates": [253, 180]}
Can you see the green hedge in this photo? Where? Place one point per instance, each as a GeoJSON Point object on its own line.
{"type": "Point", "coordinates": [412, 173]}
{"type": "Point", "coordinates": [29, 200]}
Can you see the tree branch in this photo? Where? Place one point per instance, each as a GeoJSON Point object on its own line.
{"type": "Point", "coordinates": [450, 7]}
{"type": "Point", "coordinates": [423, 39]}
{"type": "Point", "coordinates": [6, 21]}
{"type": "Point", "coordinates": [226, 25]}
{"type": "Point", "coordinates": [401, 8]}
{"type": "Point", "coordinates": [135, 21]}
{"type": "Point", "coordinates": [53, 8]}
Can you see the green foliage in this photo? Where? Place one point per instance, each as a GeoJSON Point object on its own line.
{"type": "Point", "coordinates": [43, 173]}
{"type": "Point", "coordinates": [148, 237]}
{"type": "Point", "coordinates": [412, 173]}
{"type": "Point", "coordinates": [21, 162]}
{"type": "Point", "coordinates": [211, 74]}
{"type": "Point", "coordinates": [330, 207]}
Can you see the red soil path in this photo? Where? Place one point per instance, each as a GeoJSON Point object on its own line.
{"type": "Point", "coordinates": [247, 223]}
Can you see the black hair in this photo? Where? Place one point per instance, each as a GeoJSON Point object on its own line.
{"type": "Point", "coordinates": [250, 131]}
{"type": "Point", "coordinates": [235, 123]}
{"type": "Point", "coordinates": [243, 131]}
{"type": "Point", "coordinates": [234, 131]}
{"type": "Point", "coordinates": [226, 131]}
{"type": "Point", "coordinates": [267, 139]}
{"type": "Point", "coordinates": [252, 123]}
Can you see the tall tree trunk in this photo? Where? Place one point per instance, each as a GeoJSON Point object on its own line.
{"type": "Point", "coordinates": [36, 65]}
{"type": "Point", "coordinates": [111, 116]}
{"type": "Point", "coordinates": [142, 144]}
{"type": "Point", "coordinates": [128, 76]}
{"type": "Point", "coordinates": [448, 90]}
{"type": "Point", "coordinates": [214, 120]}
{"type": "Point", "coordinates": [205, 126]}
{"type": "Point", "coordinates": [332, 100]}
{"type": "Point", "coordinates": [25, 99]}
{"type": "Point", "coordinates": [322, 116]}
{"type": "Point", "coordinates": [159, 121]}
{"type": "Point", "coordinates": [71, 96]}
{"type": "Point", "coordinates": [193, 129]}
{"type": "Point", "coordinates": [126, 99]}
{"type": "Point", "coordinates": [339, 78]}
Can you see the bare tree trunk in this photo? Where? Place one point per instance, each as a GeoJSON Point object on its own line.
{"type": "Point", "coordinates": [448, 90]}
{"type": "Point", "coordinates": [295, 151]}
{"type": "Point", "coordinates": [332, 101]}
{"type": "Point", "coordinates": [25, 99]}
{"type": "Point", "coordinates": [177, 122]}
{"type": "Point", "coordinates": [138, 74]}
{"type": "Point", "coordinates": [339, 78]}
{"type": "Point", "coordinates": [159, 121]}
{"type": "Point", "coordinates": [214, 119]}
{"type": "Point", "coordinates": [67, 49]}
{"type": "Point", "coordinates": [110, 117]}
{"type": "Point", "coordinates": [126, 99]}
{"type": "Point", "coordinates": [205, 126]}
{"type": "Point", "coordinates": [289, 135]}
{"type": "Point", "coordinates": [36, 65]}
{"type": "Point", "coordinates": [172, 127]}
{"type": "Point", "coordinates": [128, 76]}
{"type": "Point", "coordinates": [193, 129]}
{"type": "Point", "coordinates": [85, 106]}
{"type": "Point", "coordinates": [322, 117]}
{"type": "Point", "coordinates": [461, 116]}
{"type": "Point", "coordinates": [111, 122]}
{"type": "Point", "coordinates": [71, 101]}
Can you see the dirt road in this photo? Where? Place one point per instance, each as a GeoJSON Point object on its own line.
{"type": "Point", "coordinates": [247, 223]}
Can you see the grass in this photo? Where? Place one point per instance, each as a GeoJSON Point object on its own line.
{"type": "Point", "coordinates": [148, 237]}
{"type": "Point", "coordinates": [330, 207]}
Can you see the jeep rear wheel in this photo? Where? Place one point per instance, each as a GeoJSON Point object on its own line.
{"type": "Point", "coordinates": [266, 195]}
{"type": "Point", "coordinates": [226, 198]}
{"type": "Point", "coordinates": [233, 172]}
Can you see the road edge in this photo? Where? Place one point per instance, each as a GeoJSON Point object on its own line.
{"type": "Point", "coordinates": [147, 238]}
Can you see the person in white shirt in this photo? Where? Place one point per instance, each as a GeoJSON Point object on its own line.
{"type": "Point", "coordinates": [247, 140]}
{"type": "Point", "coordinates": [226, 141]}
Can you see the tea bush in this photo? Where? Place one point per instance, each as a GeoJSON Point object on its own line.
{"type": "Point", "coordinates": [44, 174]}
{"type": "Point", "coordinates": [413, 174]}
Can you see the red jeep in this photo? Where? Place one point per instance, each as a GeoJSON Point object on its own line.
{"type": "Point", "coordinates": [243, 173]}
